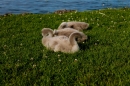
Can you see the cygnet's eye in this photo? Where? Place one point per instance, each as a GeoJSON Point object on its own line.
{"type": "Point", "coordinates": [77, 39]}
{"type": "Point", "coordinates": [64, 27]}
{"type": "Point", "coordinates": [72, 26]}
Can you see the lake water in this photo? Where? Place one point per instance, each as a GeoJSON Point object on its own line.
{"type": "Point", "coordinates": [45, 6]}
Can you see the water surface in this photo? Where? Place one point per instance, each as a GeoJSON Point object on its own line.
{"type": "Point", "coordinates": [45, 6]}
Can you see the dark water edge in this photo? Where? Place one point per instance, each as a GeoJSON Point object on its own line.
{"type": "Point", "coordinates": [49, 6]}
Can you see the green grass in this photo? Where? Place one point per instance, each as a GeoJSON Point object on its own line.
{"type": "Point", "coordinates": [104, 60]}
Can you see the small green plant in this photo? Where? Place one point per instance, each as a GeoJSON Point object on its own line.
{"type": "Point", "coordinates": [103, 60]}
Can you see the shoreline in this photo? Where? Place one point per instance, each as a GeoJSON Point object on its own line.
{"type": "Point", "coordinates": [60, 11]}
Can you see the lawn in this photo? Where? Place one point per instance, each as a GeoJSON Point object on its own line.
{"type": "Point", "coordinates": [104, 60]}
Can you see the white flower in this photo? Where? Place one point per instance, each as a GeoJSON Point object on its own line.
{"type": "Point", "coordinates": [34, 65]}
{"type": "Point", "coordinates": [31, 58]}
{"type": "Point", "coordinates": [45, 56]}
{"type": "Point", "coordinates": [98, 40]}
{"type": "Point", "coordinates": [21, 44]}
{"type": "Point", "coordinates": [97, 24]}
{"type": "Point", "coordinates": [75, 60]}
{"type": "Point", "coordinates": [60, 14]}
{"type": "Point", "coordinates": [95, 43]}
{"type": "Point", "coordinates": [122, 16]}
{"type": "Point", "coordinates": [58, 55]}
{"type": "Point", "coordinates": [4, 53]}
{"type": "Point", "coordinates": [59, 60]}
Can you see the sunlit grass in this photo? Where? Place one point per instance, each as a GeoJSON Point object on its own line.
{"type": "Point", "coordinates": [103, 60]}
